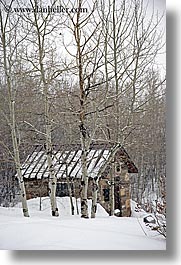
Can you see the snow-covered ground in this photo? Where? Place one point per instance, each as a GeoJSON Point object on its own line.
{"type": "Point", "coordinates": [67, 232]}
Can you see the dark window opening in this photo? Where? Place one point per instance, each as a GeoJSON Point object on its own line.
{"type": "Point", "coordinates": [106, 195]}
{"type": "Point", "coordinates": [62, 190]}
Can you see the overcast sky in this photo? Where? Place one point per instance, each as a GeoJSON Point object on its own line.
{"type": "Point", "coordinates": [160, 6]}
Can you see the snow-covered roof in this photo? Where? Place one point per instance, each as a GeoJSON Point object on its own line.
{"type": "Point", "coordinates": [67, 161]}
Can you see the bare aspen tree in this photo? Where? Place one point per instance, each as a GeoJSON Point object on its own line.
{"type": "Point", "coordinates": [94, 198]}
{"type": "Point", "coordinates": [82, 126]}
{"type": "Point", "coordinates": [6, 26]}
{"type": "Point", "coordinates": [112, 190]}
{"type": "Point", "coordinates": [132, 42]}
{"type": "Point", "coordinates": [44, 66]}
{"type": "Point", "coordinates": [85, 57]}
{"type": "Point", "coordinates": [116, 69]}
{"type": "Point", "coordinates": [41, 35]}
{"type": "Point", "coordinates": [117, 25]}
{"type": "Point", "coordinates": [69, 189]}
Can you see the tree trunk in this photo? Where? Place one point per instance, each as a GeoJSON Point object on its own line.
{"type": "Point", "coordinates": [112, 201]}
{"type": "Point", "coordinates": [94, 199]}
{"type": "Point", "coordinates": [77, 208]}
{"type": "Point", "coordinates": [75, 196]}
{"type": "Point", "coordinates": [52, 177]}
{"type": "Point", "coordinates": [69, 191]}
{"type": "Point", "coordinates": [84, 182]}
{"type": "Point", "coordinates": [82, 118]}
{"type": "Point", "coordinates": [115, 51]}
{"type": "Point", "coordinates": [49, 154]}
{"type": "Point", "coordinates": [12, 118]}
{"type": "Point", "coordinates": [17, 157]}
{"type": "Point", "coordinates": [48, 126]}
{"type": "Point", "coordinates": [19, 173]}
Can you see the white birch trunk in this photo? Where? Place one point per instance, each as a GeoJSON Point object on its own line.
{"type": "Point", "coordinates": [75, 195]}
{"type": "Point", "coordinates": [71, 199]}
{"type": "Point", "coordinates": [69, 191]}
{"type": "Point", "coordinates": [12, 118]}
{"type": "Point", "coordinates": [112, 203]}
{"type": "Point", "coordinates": [115, 50]}
{"type": "Point", "coordinates": [18, 166]}
{"type": "Point", "coordinates": [84, 204]}
{"type": "Point", "coordinates": [82, 118]}
{"type": "Point", "coordinates": [48, 127]}
{"type": "Point", "coordinates": [16, 152]}
{"type": "Point", "coordinates": [94, 199]}
{"type": "Point", "coordinates": [52, 177]}
{"type": "Point", "coordinates": [77, 208]}
{"type": "Point", "coordinates": [40, 41]}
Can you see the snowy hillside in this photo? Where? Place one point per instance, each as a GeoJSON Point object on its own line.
{"type": "Point", "coordinates": [67, 232]}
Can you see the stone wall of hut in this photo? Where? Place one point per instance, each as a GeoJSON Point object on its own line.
{"type": "Point", "coordinates": [36, 188]}
{"type": "Point", "coordinates": [121, 192]}
{"type": "Point", "coordinates": [39, 188]}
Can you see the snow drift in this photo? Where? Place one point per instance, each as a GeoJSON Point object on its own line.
{"type": "Point", "coordinates": [43, 232]}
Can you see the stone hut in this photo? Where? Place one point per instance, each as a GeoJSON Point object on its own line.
{"type": "Point", "coordinates": [67, 163]}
